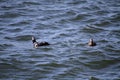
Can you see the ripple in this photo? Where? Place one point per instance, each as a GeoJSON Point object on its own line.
{"type": "Point", "coordinates": [14, 30]}
{"type": "Point", "coordinates": [80, 17]}
{"type": "Point", "coordinates": [52, 64]}
{"type": "Point", "coordinates": [6, 7]}
{"type": "Point", "coordinates": [116, 18]}
{"type": "Point", "coordinates": [92, 29]}
{"type": "Point", "coordinates": [5, 46]}
{"type": "Point", "coordinates": [103, 23]}
{"type": "Point", "coordinates": [115, 34]}
{"type": "Point", "coordinates": [6, 66]}
{"type": "Point", "coordinates": [111, 48]}
{"type": "Point", "coordinates": [2, 29]}
{"type": "Point", "coordinates": [23, 38]}
{"type": "Point", "coordinates": [20, 23]}
{"type": "Point", "coordinates": [94, 78]}
{"type": "Point", "coordinates": [10, 15]}
{"type": "Point", "coordinates": [76, 2]}
{"type": "Point", "coordinates": [101, 64]}
{"type": "Point", "coordinates": [20, 38]}
{"type": "Point", "coordinates": [31, 3]}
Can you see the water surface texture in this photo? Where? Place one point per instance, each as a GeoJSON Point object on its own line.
{"type": "Point", "coordinates": [67, 25]}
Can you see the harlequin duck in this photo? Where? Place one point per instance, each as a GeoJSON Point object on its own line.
{"type": "Point", "coordinates": [91, 43]}
{"type": "Point", "coordinates": [37, 44]}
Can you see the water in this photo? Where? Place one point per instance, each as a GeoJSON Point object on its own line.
{"type": "Point", "coordinates": [67, 25]}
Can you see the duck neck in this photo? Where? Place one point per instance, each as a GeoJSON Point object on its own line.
{"type": "Point", "coordinates": [33, 40]}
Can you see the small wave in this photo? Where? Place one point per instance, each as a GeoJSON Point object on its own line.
{"type": "Point", "coordinates": [6, 66]}
{"type": "Point", "coordinates": [30, 3]}
{"type": "Point", "coordinates": [14, 30]}
{"type": "Point", "coordinates": [5, 46]}
{"type": "Point", "coordinates": [23, 38]}
{"type": "Point", "coordinates": [92, 29]}
{"type": "Point", "coordinates": [10, 15]}
{"type": "Point", "coordinates": [102, 23]}
{"type": "Point", "coordinates": [20, 23]}
{"type": "Point", "coordinates": [79, 17]}
{"type": "Point", "coordinates": [115, 18]}
{"type": "Point", "coordinates": [101, 64]}
{"type": "Point", "coordinates": [20, 38]}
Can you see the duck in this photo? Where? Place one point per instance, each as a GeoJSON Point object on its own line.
{"type": "Point", "coordinates": [91, 43]}
{"type": "Point", "coordinates": [37, 44]}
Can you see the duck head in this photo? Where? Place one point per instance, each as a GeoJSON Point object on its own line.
{"type": "Point", "coordinates": [91, 43]}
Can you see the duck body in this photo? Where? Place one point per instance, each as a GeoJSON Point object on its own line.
{"type": "Point", "coordinates": [37, 44]}
{"type": "Point", "coordinates": [91, 43]}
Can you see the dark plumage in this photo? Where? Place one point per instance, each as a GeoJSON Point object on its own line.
{"type": "Point", "coordinates": [91, 43]}
{"type": "Point", "coordinates": [37, 44]}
